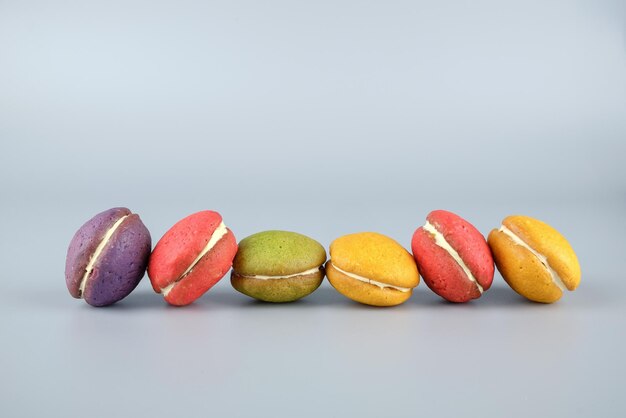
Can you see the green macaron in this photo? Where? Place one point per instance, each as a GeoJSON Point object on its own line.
{"type": "Point", "coordinates": [278, 266]}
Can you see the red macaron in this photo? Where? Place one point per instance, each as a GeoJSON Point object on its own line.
{"type": "Point", "coordinates": [192, 257]}
{"type": "Point", "coordinates": [453, 257]}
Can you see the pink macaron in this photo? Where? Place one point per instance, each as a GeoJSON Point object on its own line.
{"type": "Point", "coordinates": [192, 257]}
{"type": "Point", "coordinates": [453, 257]}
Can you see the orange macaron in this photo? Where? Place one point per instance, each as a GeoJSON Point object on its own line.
{"type": "Point", "coordinates": [534, 258]}
{"type": "Point", "coordinates": [371, 268]}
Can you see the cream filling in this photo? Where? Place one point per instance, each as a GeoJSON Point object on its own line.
{"type": "Point", "coordinates": [97, 252]}
{"type": "Point", "coordinates": [440, 240]}
{"type": "Point", "coordinates": [370, 281]}
{"type": "Point", "coordinates": [287, 276]}
{"type": "Point", "coordinates": [217, 235]}
{"type": "Point", "coordinates": [543, 259]}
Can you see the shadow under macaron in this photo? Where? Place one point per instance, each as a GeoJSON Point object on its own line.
{"type": "Point", "coordinates": [223, 296]}
{"type": "Point", "coordinates": [495, 296]}
{"type": "Point", "coordinates": [328, 296]}
{"type": "Point", "coordinates": [324, 295]}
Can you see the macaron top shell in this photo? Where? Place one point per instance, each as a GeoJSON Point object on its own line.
{"type": "Point", "coordinates": [376, 257]}
{"type": "Point", "coordinates": [468, 242]}
{"type": "Point", "coordinates": [277, 253]}
{"type": "Point", "coordinates": [179, 247]}
{"type": "Point", "coordinates": [84, 244]}
{"type": "Point", "coordinates": [549, 242]}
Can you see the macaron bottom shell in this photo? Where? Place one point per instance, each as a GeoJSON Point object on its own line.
{"type": "Point", "coordinates": [277, 290]}
{"type": "Point", "coordinates": [366, 293]}
{"type": "Point", "coordinates": [522, 270]}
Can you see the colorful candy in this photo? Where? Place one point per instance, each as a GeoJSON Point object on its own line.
{"type": "Point", "coordinates": [191, 257]}
{"type": "Point", "coordinates": [371, 268]}
{"type": "Point", "coordinates": [534, 259]}
{"type": "Point", "coordinates": [278, 266]}
{"type": "Point", "coordinates": [108, 256]}
{"type": "Point", "coordinates": [453, 257]}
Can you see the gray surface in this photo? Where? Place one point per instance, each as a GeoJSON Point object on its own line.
{"type": "Point", "coordinates": [324, 118]}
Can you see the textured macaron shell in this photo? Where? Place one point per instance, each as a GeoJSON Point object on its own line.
{"type": "Point", "coordinates": [548, 241]}
{"type": "Point", "coordinates": [120, 265]}
{"type": "Point", "coordinates": [363, 292]}
{"type": "Point", "coordinates": [179, 248]}
{"type": "Point", "coordinates": [277, 253]}
{"type": "Point", "coordinates": [375, 256]}
{"type": "Point", "coordinates": [523, 270]}
{"type": "Point", "coordinates": [209, 270]}
{"type": "Point", "coordinates": [442, 273]}
{"type": "Point", "coordinates": [84, 244]}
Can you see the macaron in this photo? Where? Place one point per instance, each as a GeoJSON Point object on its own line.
{"type": "Point", "coordinates": [534, 258]}
{"type": "Point", "coordinates": [278, 266]}
{"type": "Point", "coordinates": [372, 269]}
{"type": "Point", "coordinates": [453, 257]}
{"type": "Point", "coordinates": [191, 257]}
{"type": "Point", "coordinates": [107, 257]}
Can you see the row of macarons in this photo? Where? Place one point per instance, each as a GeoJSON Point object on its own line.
{"type": "Point", "coordinates": [108, 256]}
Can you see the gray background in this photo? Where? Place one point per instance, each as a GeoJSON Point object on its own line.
{"type": "Point", "coordinates": [324, 118]}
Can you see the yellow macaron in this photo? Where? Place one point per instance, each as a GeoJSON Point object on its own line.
{"type": "Point", "coordinates": [371, 268]}
{"type": "Point", "coordinates": [534, 258]}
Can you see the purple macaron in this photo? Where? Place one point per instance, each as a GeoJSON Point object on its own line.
{"type": "Point", "coordinates": [107, 257]}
